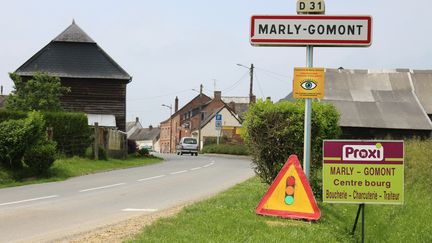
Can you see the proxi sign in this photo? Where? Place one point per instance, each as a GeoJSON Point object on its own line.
{"type": "Point", "coordinates": [363, 152]}
{"type": "Point", "coordinates": [363, 171]}
{"type": "Point", "coordinates": [316, 30]}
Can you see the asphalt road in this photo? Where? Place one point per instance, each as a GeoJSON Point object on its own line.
{"type": "Point", "coordinates": [50, 211]}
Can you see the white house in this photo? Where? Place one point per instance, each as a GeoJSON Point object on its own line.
{"type": "Point", "coordinates": [231, 125]}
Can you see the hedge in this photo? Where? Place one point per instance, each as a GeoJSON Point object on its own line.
{"type": "Point", "coordinates": [70, 130]}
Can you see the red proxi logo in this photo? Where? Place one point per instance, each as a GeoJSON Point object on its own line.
{"type": "Point", "coordinates": [363, 152]}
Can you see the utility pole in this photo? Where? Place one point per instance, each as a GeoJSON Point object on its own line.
{"type": "Point", "coordinates": [251, 73]}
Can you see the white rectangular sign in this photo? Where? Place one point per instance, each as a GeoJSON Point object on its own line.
{"type": "Point", "coordinates": [316, 30]}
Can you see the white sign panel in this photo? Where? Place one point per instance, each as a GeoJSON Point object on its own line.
{"type": "Point", "coordinates": [316, 30]}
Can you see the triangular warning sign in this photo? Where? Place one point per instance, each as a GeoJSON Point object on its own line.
{"type": "Point", "coordinates": [290, 195]}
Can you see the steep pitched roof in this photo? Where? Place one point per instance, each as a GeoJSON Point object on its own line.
{"type": "Point", "coordinates": [145, 134]}
{"type": "Point", "coordinates": [213, 114]}
{"type": "Point", "coordinates": [73, 54]}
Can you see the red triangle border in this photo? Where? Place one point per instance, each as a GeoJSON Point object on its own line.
{"type": "Point", "coordinates": [292, 161]}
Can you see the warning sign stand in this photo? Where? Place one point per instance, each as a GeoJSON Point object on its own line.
{"type": "Point", "coordinates": [290, 195]}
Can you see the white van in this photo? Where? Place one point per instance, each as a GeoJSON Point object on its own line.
{"type": "Point", "coordinates": [188, 145]}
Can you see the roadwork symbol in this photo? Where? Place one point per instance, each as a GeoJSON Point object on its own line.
{"type": "Point", "coordinates": [290, 195]}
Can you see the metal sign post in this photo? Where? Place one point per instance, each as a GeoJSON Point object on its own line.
{"type": "Point", "coordinates": [218, 124]}
{"type": "Point", "coordinates": [307, 120]}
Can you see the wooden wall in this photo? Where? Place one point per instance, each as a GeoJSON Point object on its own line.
{"type": "Point", "coordinates": [97, 96]}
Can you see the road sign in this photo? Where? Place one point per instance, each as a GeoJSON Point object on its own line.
{"type": "Point", "coordinates": [290, 195]}
{"type": "Point", "coordinates": [363, 171]}
{"type": "Point", "coordinates": [218, 124]}
{"type": "Point", "coordinates": [308, 83]}
{"type": "Point", "coordinates": [218, 117]}
{"type": "Point", "coordinates": [316, 30]}
{"type": "Point", "coordinates": [310, 7]}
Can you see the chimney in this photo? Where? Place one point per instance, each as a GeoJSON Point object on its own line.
{"type": "Point", "coordinates": [176, 105]}
{"type": "Point", "coordinates": [150, 127]}
{"type": "Point", "coordinates": [232, 106]}
{"type": "Point", "coordinates": [252, 99]}
{"type": "Point", "coordinates": [201, 89]}
{"type": "Point", "coordinates": [1, 92]}
{"type": "Point", "coordinates": [218, 95]}
{"type": "Point", "coordinates": [136, 119]}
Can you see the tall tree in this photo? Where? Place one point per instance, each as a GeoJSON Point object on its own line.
{"type": "Point", "coordinates": [41, 93]}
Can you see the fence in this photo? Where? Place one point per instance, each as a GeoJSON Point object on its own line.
{"type": "Point", "coordinates": [112, 140]}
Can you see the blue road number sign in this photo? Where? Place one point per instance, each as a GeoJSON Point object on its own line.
{"type": "Point", "coordinates": [218, 117]}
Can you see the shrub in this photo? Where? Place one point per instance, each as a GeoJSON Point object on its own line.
{"type": "Point", "coordinates": [71, 131]}
{"type": "Point", "coordinates": [102, 153]}
{"type": "Point", "coordinates": [40, 157]}
{"type": "Point", "coordinates": [143, 152]}
{"type": "Point", "coordinates": [272, 132]}
{"type": "Point", "coordinates": [132, 146]}
{"type": "Point", "coordinates": [236, 149]}
{"type": "Point", "coordinates": [16, 136]}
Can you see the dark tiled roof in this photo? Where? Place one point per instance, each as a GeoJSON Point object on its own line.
{"type": "Point", "coordinates": [74, 33]}
{"type": "Point", "coordinates": [145, 134]}
{"type": "Point", "coordinates": [73, 54]}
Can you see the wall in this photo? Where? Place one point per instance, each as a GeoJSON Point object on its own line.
{"type": "Point", "coordinates": [97, 96]}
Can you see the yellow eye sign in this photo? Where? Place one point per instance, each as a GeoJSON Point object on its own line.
{"type": "Point", "coordinates": [308, 83]}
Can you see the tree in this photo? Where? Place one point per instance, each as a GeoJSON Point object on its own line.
{"type": "Point", "coordinates": [42, 93]}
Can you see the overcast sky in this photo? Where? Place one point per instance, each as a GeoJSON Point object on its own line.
{"type": "Point", "coordinates": [171, 47]}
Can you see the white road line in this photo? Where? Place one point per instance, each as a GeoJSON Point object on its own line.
{"type": "Point", "coordinates": [207, 165]}
{"type": "Point", "coordinates": [196, 168]}
{"type": "Point", "coordinates": [151, 178]}
{"type": "Point", "coordinates": [102, 187]}
{"type": "Point", "coordinates": [139, 210]}
{"type": "Point", "coordinates": [28, 200]}
{"type": "Point", "coordinates": [178, 172]}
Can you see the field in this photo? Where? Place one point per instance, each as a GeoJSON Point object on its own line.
{"type": "Point", "coordinates": [230, 216]}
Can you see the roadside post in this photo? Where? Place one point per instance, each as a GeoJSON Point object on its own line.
{"type": "Point", "coordinates": [218, 127]}
{"type": "Point", "coordinates": [310, 28]}
{"type": "Point", "coordinates": [363, 172]}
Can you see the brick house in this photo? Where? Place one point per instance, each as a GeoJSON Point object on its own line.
{"type": "Point", "coordinates": [178, 125]}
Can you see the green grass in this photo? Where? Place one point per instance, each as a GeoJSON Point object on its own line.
{"type": "Point", "coordinates": [71, 167]}
{"type": "Point", "coordinates": [230, 216]}
{"type": "Point", "coordinates": [236, 149]}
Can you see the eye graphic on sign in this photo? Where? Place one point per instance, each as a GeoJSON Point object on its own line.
{"type": "Point", "coordinates": [308, 84]}
{"type": "Point", "coordinates": [289, 191]}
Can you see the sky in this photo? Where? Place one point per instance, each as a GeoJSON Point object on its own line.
{"type": "Point", "coordinates": [171, 47]}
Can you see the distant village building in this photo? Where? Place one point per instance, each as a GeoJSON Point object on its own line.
{"type": "Point", "coordinates": [382, 103]}
{"type": "Point", "coordinates": [195, 119]}
{"type": "Point", "coordinates": [148, 138]}
{"type": "Point", "coordinates": [97, 82]}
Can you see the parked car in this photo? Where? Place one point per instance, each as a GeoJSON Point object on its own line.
{"type": "Point", "coordinates": [187, 145]}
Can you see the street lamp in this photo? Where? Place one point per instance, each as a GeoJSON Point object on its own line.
{"type": "Point", "coordinates": [251, 69]}
{"type": "Point", "coordinates": [170, 134]}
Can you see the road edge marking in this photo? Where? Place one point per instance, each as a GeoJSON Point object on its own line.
{"type": "Point", "coordinates": [102, 187]}
{"type": "Point", "coordinates": [28, 200]}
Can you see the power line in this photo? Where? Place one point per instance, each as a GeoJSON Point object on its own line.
{"type": "Point", "coordinates": [235, 83]}
{"type": "Point", "coordinates": [159, 96]}
{"type": "Point", "coordinates": [259, 85]}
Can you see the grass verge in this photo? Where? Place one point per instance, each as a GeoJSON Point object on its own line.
{"type": "Point", "coordinates": [71, 167]}
{"type": "Point", "coordinates": [230, 216]}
